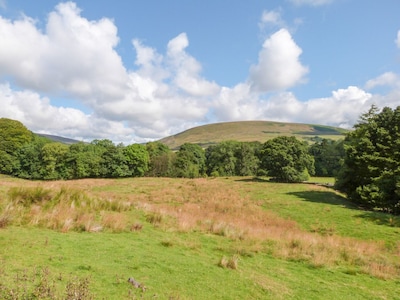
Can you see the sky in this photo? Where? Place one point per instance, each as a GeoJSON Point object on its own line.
{"type": "Point", "coordinates": [138, 71]}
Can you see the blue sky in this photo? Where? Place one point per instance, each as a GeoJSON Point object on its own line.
{"type": "Point", "coordinates": [134, 71]}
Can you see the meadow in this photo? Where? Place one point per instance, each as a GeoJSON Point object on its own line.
{"type": "Point", "coordinates": [207, 238]}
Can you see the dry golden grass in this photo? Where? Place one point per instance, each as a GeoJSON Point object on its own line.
{"type": "Point", "coordinates": [208, 205]}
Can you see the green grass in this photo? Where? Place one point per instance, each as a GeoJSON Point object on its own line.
{"type": "Point", "coordinates": [176, 262]}
{"type": "Point", "coordinates": [319, 208]}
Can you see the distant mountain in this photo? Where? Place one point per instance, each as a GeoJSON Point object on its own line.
{"type": "Point", "coordinates": [249, 131]}
{"type": "Point", "coordinates": [59, 139]}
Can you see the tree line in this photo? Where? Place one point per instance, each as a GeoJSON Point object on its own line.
{"type": "Point", "coordinates": [26, 155]}
{"type": "Point", "coordinates": [366, 164]}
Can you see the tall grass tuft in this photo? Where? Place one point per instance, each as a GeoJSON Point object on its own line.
{"type": "Point", "coordinates": [29, 195]}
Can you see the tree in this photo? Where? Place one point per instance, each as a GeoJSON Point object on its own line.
{"type": "Point", "coordinates": [371, 170]}
{"type": "Point", "coordinates": [161, 158]}
{"type": "Point", "coordinates": [113, 162]}
{"type": "Point", "coordinates": [286, 159]}
{"type": "Point", "coordinates": [30, 164]}
{"type": "Point", "coordinates": [328, 156]}
{"type": "Point", "coordinates": [13, 136]}
{"type": "Point", "coordinates": [221, 159]}
{"type": "Point", "coordinates": [232, 158]}
{"type": "Point", "coordinates": [53, 161]}
{"type": "Point", "coordinates": [137, 159]}
{"type": "Point", "coordinates": [247, 161]}
{"type": "Point", "coordinates": [190, 161]}
{"type": "Point", "coordinates": [83, 161]}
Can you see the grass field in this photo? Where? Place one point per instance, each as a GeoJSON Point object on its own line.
{"type": "Point", "coordinates": [216, 238]}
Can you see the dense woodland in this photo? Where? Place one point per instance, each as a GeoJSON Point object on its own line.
{"type": "Point", "coordinates": [366, 163]}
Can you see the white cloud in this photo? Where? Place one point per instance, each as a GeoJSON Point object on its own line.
{"type": "Point", "coordinates": [76, 58]}
{"type": "Point", "coordinates": [187, 69]}
{"type": "Point", "coordinates": [387, 79]}
{"type": "Point", "coordinates": [278, 65]}
{"type": "Point", "coordinates": [398, 39]}
{"type": "Point", "coordinates": [311, 2]}
{"type": "Point", "coordinates": [73, 55]}
{"type": "Point", "coordinates": [271, 17]}
{"type": "Point", "coordinates": [40, 116]}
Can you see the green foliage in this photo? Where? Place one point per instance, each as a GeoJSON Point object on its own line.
{"type": "Point", "coordinates": [161, 158]}
{"type": "Point", "coordinates": [29, 158]}
{"type": "Point", "coordinates": [137, 159]}
{"type": "Point", "coordinates": [13, 135]}
{"type": "Point", "coordinates": [221, 158]}
{"type": "Point", "coordinates": [190, 162]}
{"type": "Point", "coordinates": [371, 171]}
{"type": "Point", "coordinates": [328, 156]}
{"type": "Point", "coordinates": [232, 158]}
{"type": "Point", "coordinates": [53, 158]}
{"type": "Point", "coordinates": [286, 159]}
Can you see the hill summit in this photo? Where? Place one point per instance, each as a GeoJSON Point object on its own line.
{"type": "Point", "coordinates": [250, 131]}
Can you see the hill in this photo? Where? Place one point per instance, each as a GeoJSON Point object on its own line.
{"type": "Point", "coordinates": [250, 131]}
{"type": "Point", "coordinates": [59, 139]}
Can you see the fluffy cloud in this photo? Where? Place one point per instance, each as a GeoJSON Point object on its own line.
{"type": "Point", "coordinates": [75, 58]}
{"type": "Point", "coordinates": [278, 65]}
{"type": "Point", "coordinates": [73, 55]}
{"type": "Point", "coordinates": [311, 2]}
{"type": "Point", "coordinates": [187, 69]}
{"type": "Point", "coordinates": [387, 79]}
{"type": "Point", "coordinates": [40, 116]}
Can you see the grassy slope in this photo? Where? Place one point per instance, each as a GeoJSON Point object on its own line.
{"type": "Point", "coordinates": [178, 262]}
{"type": "Point", "coordinates": [250, 131]}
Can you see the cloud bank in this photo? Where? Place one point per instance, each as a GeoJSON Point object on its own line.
{"type": "Point", "coordinates": [74, 61]}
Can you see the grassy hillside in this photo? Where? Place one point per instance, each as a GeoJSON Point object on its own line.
{"type": "Point", "coordinates": [59, 139]}
{"type": "Point", "coordinates": [249, 131]}
{"type": "Point", "coordinates": [221, 238]}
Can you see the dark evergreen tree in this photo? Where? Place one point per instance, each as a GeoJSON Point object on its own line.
{"type": "Point", "coordinates": [371, 170]}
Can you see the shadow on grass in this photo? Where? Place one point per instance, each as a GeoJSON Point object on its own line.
{"type": "Point", "coordinates": [254, 179]}
{"type": "Point", "coordinates": [380, 218]}
{"type": "Point", "coordinates": [331, 198]}
{"type": "Point", "coordinates": [325, 197]}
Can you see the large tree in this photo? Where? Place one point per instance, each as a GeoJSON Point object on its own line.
{"type": "Point", "coordinates": [137, 159]}
{"type": "Point", "coordinates": [371, 171]}
{"type": "Point", "coordinates": [286, 159]}
{"type": "Point", "coordinates": [328, 156]}
{"type": "Point", "coordinates": [190, 161]}
{"type": "Point", "coordinates": [13, 136]}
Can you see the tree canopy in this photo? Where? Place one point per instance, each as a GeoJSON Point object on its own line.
{"type": "Point", "coordinates": [371, 170]}
{"type": "Point", "coordinates": [286, 159]}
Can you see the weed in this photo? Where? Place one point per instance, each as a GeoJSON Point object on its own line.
{"type": "Point", "coordinates": [41, 284]}
{"type": "Point", "coordinates": [230, 263]}
{"type": "Point", "coordinates": [136, 227]}
{"type": "Point", "coordinates": [78, 289]}
{"type": "Point", "coordinates": [4, 220]}
{"type": "Point", "coordinates": [167, 243]}
{"type": "Point", "coordinates": [154, 218]}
